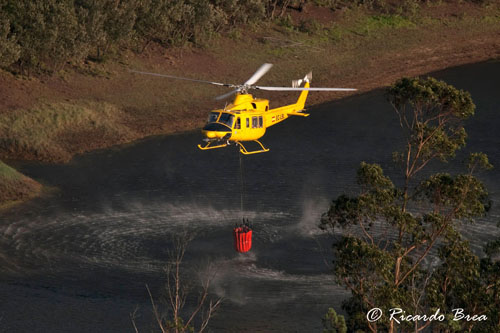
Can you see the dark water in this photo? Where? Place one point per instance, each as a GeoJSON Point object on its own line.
{"type": "Point", "coordinates": [78, 260]}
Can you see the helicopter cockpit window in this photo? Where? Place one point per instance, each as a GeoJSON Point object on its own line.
{"type": "Point", "coordinates": [212, 117]}
{"type": "Point", "coordinates": [238, 123]}
{"type": "Point", "coordinates": [226, 119]}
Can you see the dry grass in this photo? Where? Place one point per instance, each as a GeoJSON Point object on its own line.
{"type": "Point", "coordinates": [56, 131]}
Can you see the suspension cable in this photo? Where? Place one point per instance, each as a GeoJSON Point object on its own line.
{"type": "Point", "coordinates": [242, 183]}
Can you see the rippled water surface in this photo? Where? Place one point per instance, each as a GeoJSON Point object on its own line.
{"type": "Point", "coordinates": [78, 259]}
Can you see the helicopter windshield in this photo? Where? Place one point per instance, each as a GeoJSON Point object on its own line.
{"type": "Point", "coordinates": [227, 119]}
{"type": "Point", "coordinates": [212, 117]}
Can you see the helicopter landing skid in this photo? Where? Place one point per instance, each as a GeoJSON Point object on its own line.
{"type": "Point", "coordinates": [244, 151]}
{"type": "Point", "coordinates": [209, 146]}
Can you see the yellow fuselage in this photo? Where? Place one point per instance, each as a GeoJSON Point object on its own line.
{"type": "Point", "coordinates": [247, 118]}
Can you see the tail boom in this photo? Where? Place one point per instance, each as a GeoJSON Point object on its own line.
{"type": "Point", "coordinates": [277, 115]}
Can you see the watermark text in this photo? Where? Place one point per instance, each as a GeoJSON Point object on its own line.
{"type": "Point", "coordinates": [399, 315]}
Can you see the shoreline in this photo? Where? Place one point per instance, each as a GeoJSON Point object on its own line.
{"type": "Point", "coordinates": [97, 106]}
{"type": "Point", "coordinates": [25, 188]}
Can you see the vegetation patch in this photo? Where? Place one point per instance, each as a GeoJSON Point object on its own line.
{"type": "Point", "coordinates": [379, 22]}
{"type": "Point", "coordinates": [55, 131]}
{"type": "Point", "coordinates": [14, 186]}
{"type": "Point", "coordinates": [389, 231]}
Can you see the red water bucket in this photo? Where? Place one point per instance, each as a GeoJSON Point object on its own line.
{"type": "Point", "coordinates": [242, 239]}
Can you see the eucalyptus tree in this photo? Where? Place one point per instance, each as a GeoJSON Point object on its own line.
{"type": "Point", "coordinates": [39, 34]}
{"type": "Point", "coordinates": [106, 23]}
{"type": "Point", "coordinates": [334, 323]}
{"type": "Point", "coordinates": [9, 49]}
{"type": "Point", "coordinates": [401, 249]}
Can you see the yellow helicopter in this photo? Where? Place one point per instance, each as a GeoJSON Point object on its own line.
{"type": "Point", "coordinates": [247, 118]}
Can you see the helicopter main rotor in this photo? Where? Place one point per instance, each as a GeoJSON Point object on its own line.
{"type": "Point", "coordinates": [243, 88]}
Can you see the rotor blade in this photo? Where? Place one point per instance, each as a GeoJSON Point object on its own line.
{"type": "Point", "coordinates": [184, 78]}
{"type": "Point", "coordinates": [258, 74]}
{"type": "Point", "coordinates": [301, 89]}
{"type": "Point", "coordinates": [226, 95]}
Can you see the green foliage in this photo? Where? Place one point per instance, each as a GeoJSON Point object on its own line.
{"type": "Point", "coordinates": [408, 8]}
{"type": "Point", "coordinates": [45, 32]}
{"type": "Point", "coordinates": [490, 275]}
{"type": "Point", "coordinates": [377, 195]}
{"type": "Point", "coordinates": [464, 195]}
{"type": "Point", "coordinates": [333, 323]}
{"type": "Point", "coordinates": [192, 21]}
{"type": "Point", "coordinates": [343, 211]}
{"type": "Point", "coordinates": [336, 4]}
{"type": "Point", "coordinates": [391, 21]}
{"type": "Point", "coordinates": [390, 230]}
{"type": "Point", "coordinates": [478, 160]}
{"type": "Point", "coordinates": [105, 23]}
{"type": "Point", "coordinates": [431, 114]}
{"type": "Point", "coordinates": [360, 260]}
{"type": "Point", "coordinates": [242, 12]}
{"type": "Point", "coordinates": [44, 35]}
{"type": "Point", "coordinates": [311, 27]}
{"type": "Point", "coordinates": [380, 23]}
{"type": "Point", "coordinates": [9, 49]}
{"type": "Point", "coordinates": [286, 22]}
{"type": "Point", "coordinates": [492, 248]}
{"type": "Point", "coordinates": [431, 98]}
{"type": "Point", "coordinates": [464, 281]}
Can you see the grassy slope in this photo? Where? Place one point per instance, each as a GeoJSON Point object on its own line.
{"type": "Point", "coordinates": [52, 131]}
{"type": "Point", "coordinates": [98, 105]}
{"type": "Point", "coordinates": [14, 186]}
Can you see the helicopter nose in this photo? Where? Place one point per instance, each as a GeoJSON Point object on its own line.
{"type": "Point", "coordinates": [215, 134]}
{"type": "Point", "coordinates": [210, 134]}
{"type": "Point", "coordinates": [215, 131]}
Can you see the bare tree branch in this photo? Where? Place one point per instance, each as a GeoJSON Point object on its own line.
{"type": "Point", "coordinates": [155, 310]}
{"type": "Point", "coordinates": [132, 318]}
{"type": "Point", "coordinates": [177, 293]}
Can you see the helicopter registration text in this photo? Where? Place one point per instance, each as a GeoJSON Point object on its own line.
{"type": "Point", "coordinates": [277, 118]}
